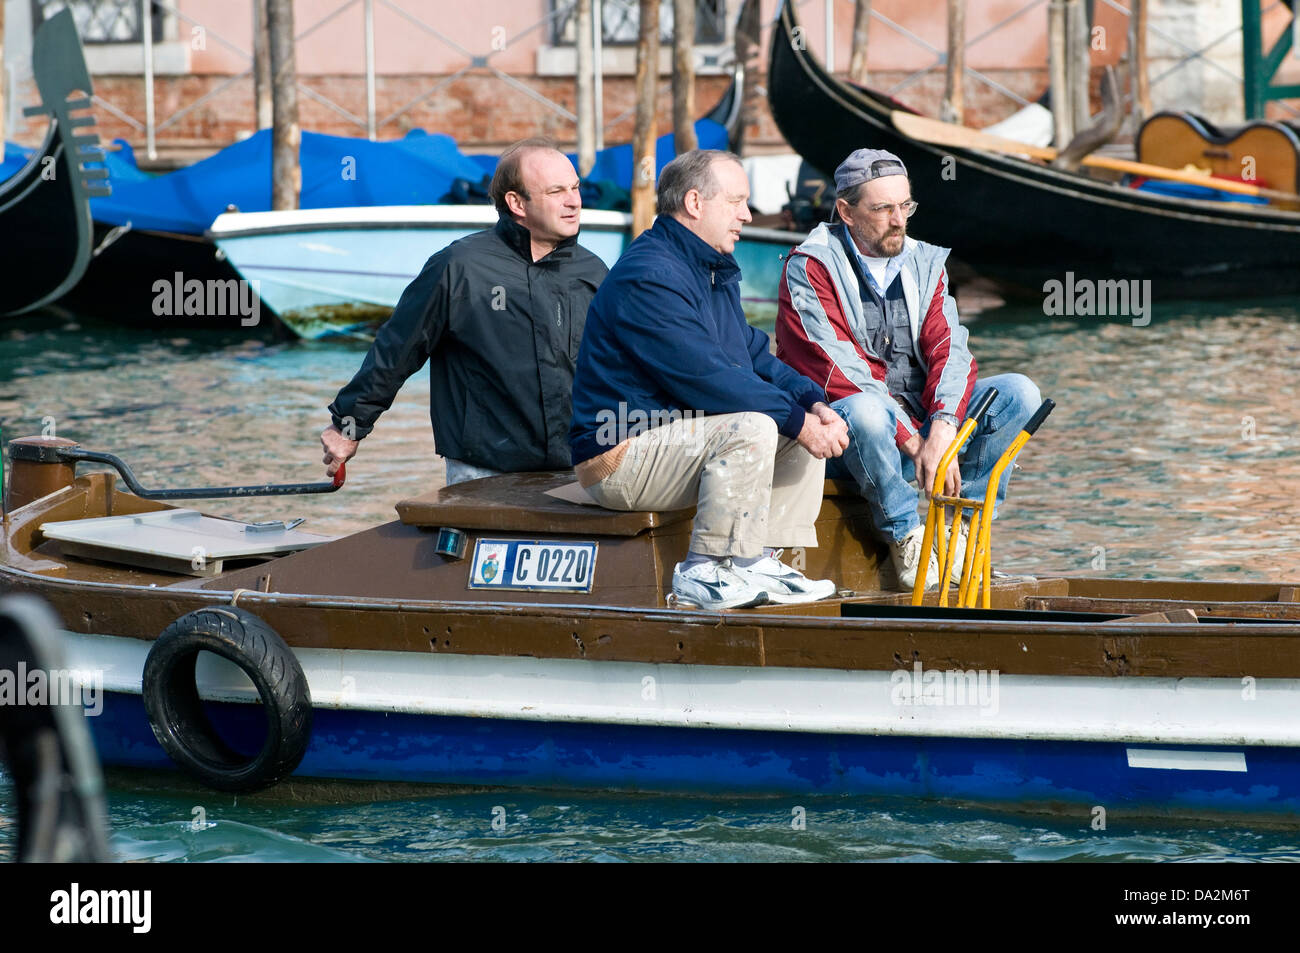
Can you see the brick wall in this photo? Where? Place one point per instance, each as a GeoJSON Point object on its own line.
{"type": "Point", "coordinates": [480, 111]}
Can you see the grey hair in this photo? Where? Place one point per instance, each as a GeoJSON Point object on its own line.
{"type": "Point", "coordinates": [690, 170]}
{"type": "Point", "coordinates": [853, 194]}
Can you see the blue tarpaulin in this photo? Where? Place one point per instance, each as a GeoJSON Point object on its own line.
{"type": "Point", "coordinates": [1188, 190]}
{"type": "Point", "coordinates": [121, 163]}
{"type": "Point", "coordinates": [15, 158]}
{"type": "Point", "coordinates": [337, 172]}
{"type": "Point", "coordinates": [615, 163]}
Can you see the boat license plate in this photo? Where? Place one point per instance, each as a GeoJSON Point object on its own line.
{"type": "Point", "coordinates": [529, 566]}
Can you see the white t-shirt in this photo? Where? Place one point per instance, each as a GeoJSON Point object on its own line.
{"type": "Point", "coordinates": [877, 267]}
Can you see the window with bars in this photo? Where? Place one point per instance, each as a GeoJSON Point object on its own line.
{"type": "Point", "coordinates": [620, 21]}
{"type": "Point", "coordinates": [103, 21]}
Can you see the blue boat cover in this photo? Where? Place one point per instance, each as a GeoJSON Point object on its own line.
{"type": "Point", "coordinates": [1187, 190]}
{"type": "Point", "coordinates": [14, 159]}
{"type": "Point", "coordinates": [337, 172]}
{"type": "Point", "coordinates": [614, 164]}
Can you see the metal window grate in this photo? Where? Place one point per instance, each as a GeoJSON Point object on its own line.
{"type": "Point", "coordinates": [621, 18]}
{"type": "Point", "coordinates": [103, 21]}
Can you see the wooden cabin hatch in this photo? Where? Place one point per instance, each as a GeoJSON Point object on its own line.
{"type": "Point", "coordinates": [635, 552]}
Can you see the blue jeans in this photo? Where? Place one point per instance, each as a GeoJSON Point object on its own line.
{"type": "Point", "coordinates": [885, 475]}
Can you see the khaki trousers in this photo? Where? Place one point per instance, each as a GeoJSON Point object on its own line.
{"type": "Point", "coordinates": [751, 486]}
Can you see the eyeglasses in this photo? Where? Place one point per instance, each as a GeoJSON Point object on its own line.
{"type": "Point", "coordinates": [887, 210]}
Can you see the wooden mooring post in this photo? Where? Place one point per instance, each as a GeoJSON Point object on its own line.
{"type": "Point", "coordinates": [684, 139]}
{"type": "Point", "coordinates": [861, 35]}
{"type": "Point", "coordinates": [645, 130]}
{"type": "Point", "coordinates": [261, 67]}
{"type": "Point", "coordinates": [286, 135]}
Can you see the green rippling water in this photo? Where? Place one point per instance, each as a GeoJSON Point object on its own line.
{"type": "Point", "coordinates": [152, 823]}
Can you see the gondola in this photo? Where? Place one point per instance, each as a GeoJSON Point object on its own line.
{"type": "Point", "coordinates": [1022, 224]}
{"type": "Point", "coordinates": [45, 222]}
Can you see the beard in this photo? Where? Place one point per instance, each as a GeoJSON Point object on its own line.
{"type": "Point", "coordinates": [887, 244]}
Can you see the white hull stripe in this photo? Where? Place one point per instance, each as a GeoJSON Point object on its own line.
{"type": "Point", "coordinates": [1187, 760]}
{"type": "Point", "coordinates": [1030, 707]}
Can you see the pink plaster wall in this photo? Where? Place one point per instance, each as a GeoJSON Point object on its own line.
{"type": "Point", "coordinates": [403, 47]}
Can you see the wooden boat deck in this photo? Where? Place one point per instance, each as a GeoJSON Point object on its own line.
{"type": "Point", "coordinates": [386, 589]}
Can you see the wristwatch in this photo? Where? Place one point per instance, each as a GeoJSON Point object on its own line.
{"type": "Point", "coordinates": [950, 418]}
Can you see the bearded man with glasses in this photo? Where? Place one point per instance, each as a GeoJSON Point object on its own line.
{"type": "Point", "coordinates": [866, 311]}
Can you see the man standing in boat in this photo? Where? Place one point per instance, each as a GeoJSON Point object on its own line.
{"type": "Point", "coordinates": [678, 402]}
{"type": "Point", "coordinates": [867, 309]}
{"type": "Point", "coordinates": [499, 316]}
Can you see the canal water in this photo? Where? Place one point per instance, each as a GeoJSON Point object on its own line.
{"type": "Point", "coordinates": [1172, 454]}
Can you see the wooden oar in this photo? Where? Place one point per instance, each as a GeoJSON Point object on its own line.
{"type": "Point", "coordinates": [947, 134]}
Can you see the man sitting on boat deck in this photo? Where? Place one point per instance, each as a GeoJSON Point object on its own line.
{"type": "Point", "coordinates": [677, 401]}
{"type": "Point", "coordinates": [499, 316]}
{"type": "Point", "coordinates": [867, 310]}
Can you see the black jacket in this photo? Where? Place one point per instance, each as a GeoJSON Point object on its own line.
{"type": "Point", "coordinates": [501, 333]}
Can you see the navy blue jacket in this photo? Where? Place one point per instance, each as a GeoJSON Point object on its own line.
{"type": "Point", "coordinates": [666, 333]}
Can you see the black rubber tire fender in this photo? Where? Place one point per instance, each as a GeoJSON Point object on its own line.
{"type": "Point", "coordinates": [181, 725]}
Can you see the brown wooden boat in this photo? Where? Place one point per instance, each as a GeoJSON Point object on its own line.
{"type": "Point", "coordinates": [395, 653]}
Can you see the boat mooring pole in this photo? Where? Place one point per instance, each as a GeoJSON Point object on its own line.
{"type": "Point", "coordinates": [598, 84]}
{"type": "Point", "coordinates": [861, 34]}
{"type": "Point", "coordinates": [3, 76]}
{"type": "Point", "coordinates": [370, 69]}
{"type": "Point", "coordinates": [582, 45]}
{"type": "Point", "coordinates": [830, 35]}
{"type": "Point", "coordinates": [286, 176]}
{"type": "Point", "coordinates": [1079, 59]}
{"type": "Point", "coordinates": [146, 31]}
{"type": "Point", "coordinates": [684, 139]}
{"type": "Point", "coordinates": [261, 67]}
{"type": "Point", "coordinates": [1140, 81]}
{"type": "Point", "coordinates": [1056, 62]}
{"type": "Point", "coordinates": [644, 133]}
{"type": "Point", "coordinates": [954, 94]}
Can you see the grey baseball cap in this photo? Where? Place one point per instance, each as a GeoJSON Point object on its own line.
{"type": "Point", "coordinates": [863, 165]}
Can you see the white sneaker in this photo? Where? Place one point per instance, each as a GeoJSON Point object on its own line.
{"type": "Point", "coordinates": [906, 554]}
{"type": "Point", "coordinates": [715, 585]}
{"type": "Point", "coordinates": [783, 584]}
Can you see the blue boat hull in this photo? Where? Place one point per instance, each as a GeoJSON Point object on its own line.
{"type": "Point", "coordinates": [1064, 777]}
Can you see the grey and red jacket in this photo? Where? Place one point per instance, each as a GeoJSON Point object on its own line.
{"type": "Point", "coordinates": [821, 327]}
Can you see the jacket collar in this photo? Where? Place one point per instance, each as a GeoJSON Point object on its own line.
{"type": "Point", "coordinates": [521, 241]}
{"type": "Point", "coordinates": [823, 244]}
{"type": "Point", "coordinates": [696, 252]}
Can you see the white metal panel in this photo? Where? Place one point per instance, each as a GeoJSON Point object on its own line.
{"type": "Point", "coordinates": [1183, 711]}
